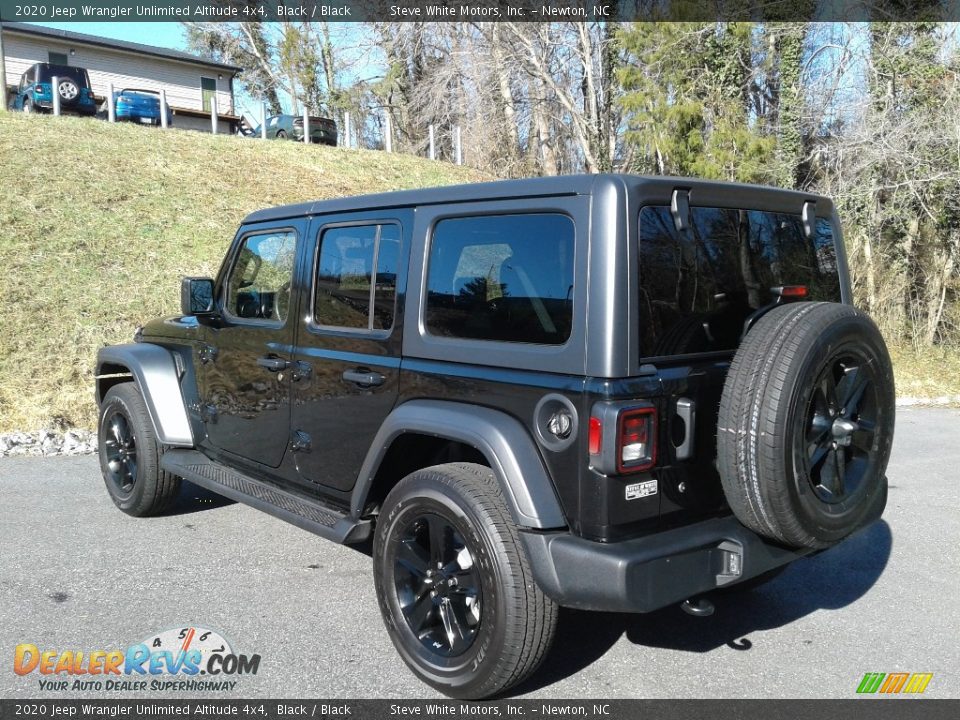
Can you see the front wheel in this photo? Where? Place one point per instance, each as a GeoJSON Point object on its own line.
{"type": "Point", "coordinates": [130, 454]}
{"type": "Point", "coordinates": [455, 588]}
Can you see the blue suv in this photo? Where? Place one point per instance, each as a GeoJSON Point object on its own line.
{"type": "Point", "coordinates": [35, 92]}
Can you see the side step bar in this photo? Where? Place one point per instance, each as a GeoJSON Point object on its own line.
{"type": "Point", "coordinates": [303, 512]}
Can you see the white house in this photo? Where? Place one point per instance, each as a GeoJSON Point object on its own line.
{"type": "Point", "coordinates": [190, 82]}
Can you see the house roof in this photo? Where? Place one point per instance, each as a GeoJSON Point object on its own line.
{"type": "Point", "coordinates": [84, 39]}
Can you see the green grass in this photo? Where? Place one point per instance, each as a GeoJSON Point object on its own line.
{"type": "Point", "coordinates": [98, 222]}
{"type": "Point", "coordinates": [932, 374]}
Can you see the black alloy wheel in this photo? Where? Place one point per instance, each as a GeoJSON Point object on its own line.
{"type": "Point", "coordinates": [841, 419]}
{"type": "Point", "coordinates": [120, 448]}
{"type": "Point", "coordinates": [437, 586]}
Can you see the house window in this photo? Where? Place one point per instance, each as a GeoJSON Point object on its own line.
{"type": "Point", "coordinates": [55, 58]}
{"type": "Point", "coordinates": [208, 86]}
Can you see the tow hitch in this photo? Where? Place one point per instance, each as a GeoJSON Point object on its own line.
{"type": "Point", "coordinates": [698, 607]}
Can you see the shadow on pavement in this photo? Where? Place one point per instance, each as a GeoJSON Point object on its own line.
{"type": "Point", "coordinates": [193, 498]}
{"type": "Point", "coordinates": [832, 580]}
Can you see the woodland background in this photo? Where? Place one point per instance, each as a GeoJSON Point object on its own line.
{"type": "Point", "coordinates": [867, 113]}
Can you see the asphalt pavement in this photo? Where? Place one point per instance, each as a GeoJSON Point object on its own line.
{"type": "Point", "coordinates": [77, 574]}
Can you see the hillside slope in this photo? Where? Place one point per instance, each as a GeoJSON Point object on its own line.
{"type": "Point", "coordinates": [98, 222]}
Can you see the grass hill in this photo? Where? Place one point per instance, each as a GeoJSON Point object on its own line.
{"type": "Point", "coordinates": [98, 222]}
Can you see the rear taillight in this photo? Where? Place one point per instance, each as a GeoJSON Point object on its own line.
{"type": "Point", "coordinates": [623, 437]}
{"type": "Point", "coordinates": [636, 435]}
{"type": "Point", "coordinates": [595, 441]}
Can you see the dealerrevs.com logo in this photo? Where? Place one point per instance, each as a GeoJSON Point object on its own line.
{"type": "Point", "coordinates": [189, 659]}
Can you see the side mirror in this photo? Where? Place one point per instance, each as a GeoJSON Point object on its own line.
{"type": "Point", "coordinates": [196, 296]}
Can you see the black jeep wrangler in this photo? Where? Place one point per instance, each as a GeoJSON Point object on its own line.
{"type": "Point", "coordinates": [603, 392]}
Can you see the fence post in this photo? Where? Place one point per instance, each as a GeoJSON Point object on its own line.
{"type": "Point", "coordinates": [55, 93]}
{"type": "Point", "coordinates": [306, 125]}
{"type": "Point", "coordinates": [432, 148]}
{"type": "Point", "coordinates": [214, 117]}
{"type": "Point", "coordinates": [458, 150]}
{"type": "Point", "coordinates": [346, 130]}
{"type": "Point", "coordinates": [263, 121]}
{"type": "Point", "coordinates": [163, 109]}
{"type": "Point", "coordinates": [387, 133]}
{"type": "Point", "coordinates": [111, 104]}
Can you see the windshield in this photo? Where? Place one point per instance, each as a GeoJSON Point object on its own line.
{"type": "Point", "coordinates": [698, 287]}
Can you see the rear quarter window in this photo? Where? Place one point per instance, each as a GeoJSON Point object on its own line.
{"type": "Point", "coordinates": [697, 288]}
{"type": "Point", "coordinates": [505, 278]}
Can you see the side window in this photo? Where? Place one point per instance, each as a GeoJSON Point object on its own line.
{"type": "Point", "coordinates": [259, 284]}
{"type": "Point", "coordinates": [507, 278]}
{"type": "Point", "coordinates": [356, 283]}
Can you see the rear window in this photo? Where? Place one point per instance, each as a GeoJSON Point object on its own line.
{"type": "Point", "coordinates": [507, 278]}
{"type": "Point", "coordinates": [78, 75]}
{"type": "Point", "coordinates": [698, 287]}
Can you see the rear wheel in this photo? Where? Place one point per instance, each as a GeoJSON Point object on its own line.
{"type": "Point", "coordinates": [455, 588]}
{"type": "Point", "coordinates": [28, 106]}
{"type": "Point", "coordinates": [281, 135]}
{"type": "Point", "coordinates": [130, 454]}
{"type": "Point", "coordinates": [806, 424]}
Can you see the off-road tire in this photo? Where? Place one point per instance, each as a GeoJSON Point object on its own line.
{"type": "Point", "coordinates": [778, 421]}
{"type": "Point", "coordinates": [153, 489]}
{"type": "Point", "coordinates": [517, 621]}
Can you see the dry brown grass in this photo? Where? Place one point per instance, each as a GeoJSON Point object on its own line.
{"type": "Point", "coordinates": [98, 222]}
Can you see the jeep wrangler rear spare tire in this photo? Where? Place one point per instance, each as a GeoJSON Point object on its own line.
{"type": "Point", "coordinates": [806, 424]}
{"type": "Point", "coordinates": [455, 588]}
{"type": "Point", "coordinates": [130, 454]}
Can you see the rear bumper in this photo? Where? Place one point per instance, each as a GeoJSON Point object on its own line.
{"type": "Point", "coordinates": [649, 573]}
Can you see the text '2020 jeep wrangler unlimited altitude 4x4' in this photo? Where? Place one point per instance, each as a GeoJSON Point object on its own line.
{"type": "Point", "coordinates": [603, 392]}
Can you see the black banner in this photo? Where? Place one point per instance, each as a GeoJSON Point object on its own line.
{"type": "Point", "coordinates": [874, 709]}
{"type": "Point", "coordinates": [475, 10]}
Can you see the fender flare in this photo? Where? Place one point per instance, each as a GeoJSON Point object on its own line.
{"type": "Point", "coordinates": [504, 441]}
{"type": "Point", "coordinates": [156, 375]}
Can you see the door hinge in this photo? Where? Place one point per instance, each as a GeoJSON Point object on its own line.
{"type": "Point", "coordinates": [208, 413]}
{"type": "Point", "coordinates": [207, 353]}
{"type": "Point", "coordinates": [301, 371]}
{"type": "Point", "coordinates": [299, 441]}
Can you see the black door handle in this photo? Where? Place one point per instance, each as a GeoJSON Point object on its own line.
{"type": "Point", "coordinates": [363, 377]}
{"type": "Point", "coordinates": [273, 364]}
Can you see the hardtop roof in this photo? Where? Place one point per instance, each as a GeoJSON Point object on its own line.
{"type": "Point", "coordinates": [545, 187]}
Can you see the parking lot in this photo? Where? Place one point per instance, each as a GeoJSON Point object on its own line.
{"type": "Point", "coordinates": [77, 574]}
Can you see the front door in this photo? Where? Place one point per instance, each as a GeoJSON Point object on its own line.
{"type": "Point", "coordinates": [242, 368]}
{"type": "Point", "coordinates": [348, 348]}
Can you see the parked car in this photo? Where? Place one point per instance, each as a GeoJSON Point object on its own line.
{"type": "Point", "coordinates": [137, 105]}
{"type": "Point", "coordinates": [35, 92]}
{"type": "Point", "coordinates": [290, 127]}
{"type": "Point", "coordinates": [605, 392]}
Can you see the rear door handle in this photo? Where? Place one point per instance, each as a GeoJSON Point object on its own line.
{"type": "Point", "coordinates": [273, 364]}
{"type": "Point", "coordinates": [363, 377]}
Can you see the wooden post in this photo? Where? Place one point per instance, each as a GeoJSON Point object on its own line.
{"type": "Point", "coordinates": [433, 155]}
{"type": "Point", "coordinates": [55, 93]}
{"type": "Point", "coordinates": [214, 117]}
{"type": "Point", "coordinates": [387, 133]}
{"type": "Point", "coordinates": [458, 150]}
{"type": "Point", "coordinates": [263, 121]}
{"type": "Point", "coordinates": [163, 109]}
{"type": "Point", "coordinates": [306, 125]}
{"type": "Point", "coordinates": [111, 104]}
{"type": "Point", "coordinates": [3, 76]}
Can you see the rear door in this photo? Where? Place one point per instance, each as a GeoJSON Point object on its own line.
{"type": "Point", "coordinates": [697, 289]}
{"type": "Point", "coordinates": [242, 367]}
{"type": "Point", "coordinates": [347, 355]}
